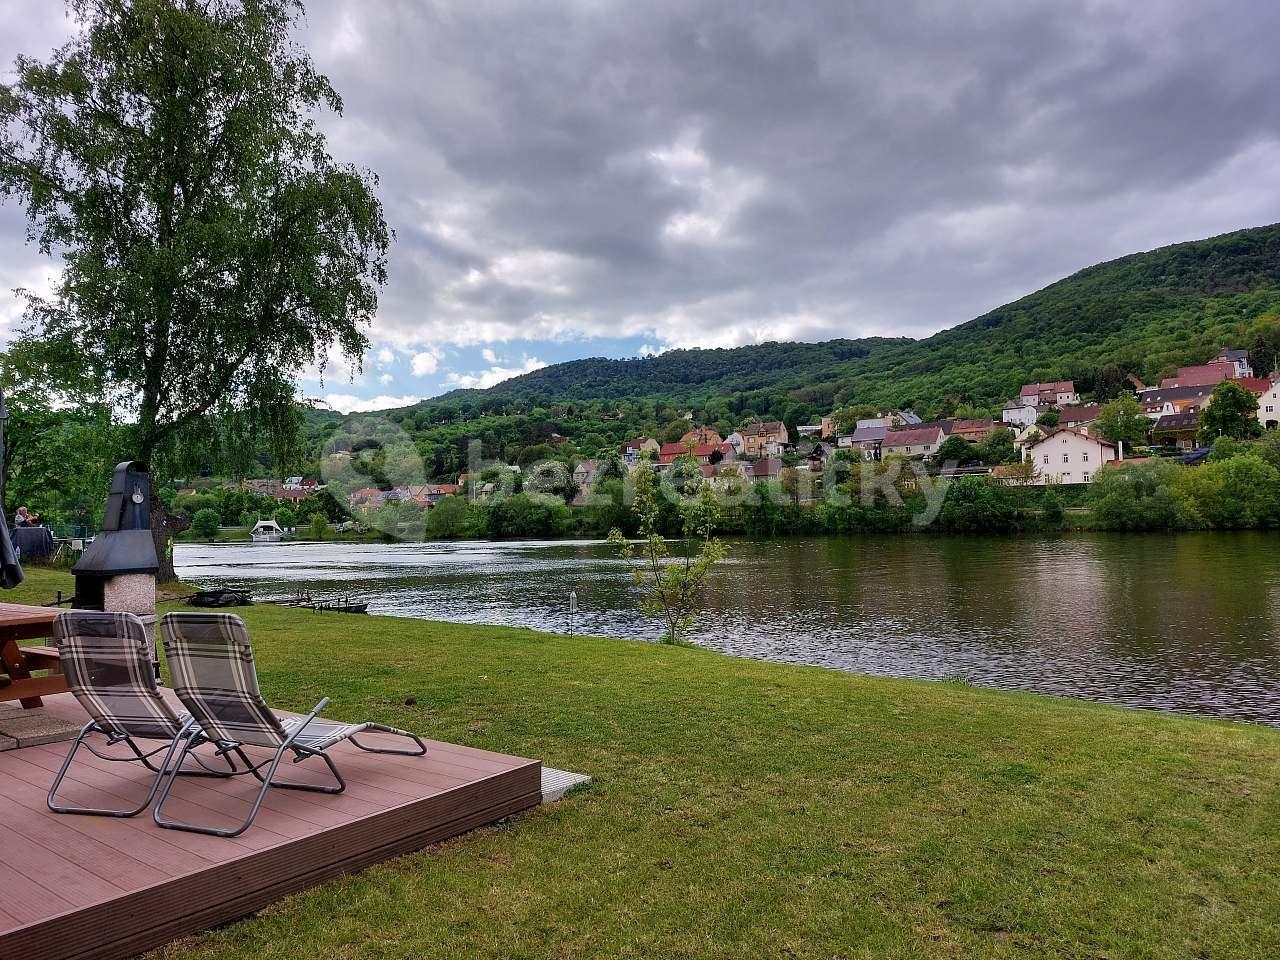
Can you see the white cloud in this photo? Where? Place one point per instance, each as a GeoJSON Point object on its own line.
{"type": "Point", "coordinates": [385, 379]}
{"type": "Point", "coordinates": [717, 194]}
{"type": "Point", "coordinates": [350, 403]}
{"type": "Point", "coordinates": [426, 362]}
{"type": "Point", "coordinates": [495, 374]}
{"type": "Point", "coordinates": [386, 356]}
{"type": "Point", "coordinates": [489, 355]}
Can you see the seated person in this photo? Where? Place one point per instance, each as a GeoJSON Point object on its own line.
{"type": "Point", "coordinates": [25, 518]}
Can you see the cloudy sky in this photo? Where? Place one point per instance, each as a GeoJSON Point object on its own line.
{"type": "Point", "coordinates": [588, 177]}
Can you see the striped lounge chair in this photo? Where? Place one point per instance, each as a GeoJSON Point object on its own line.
{"type": "Point", "coordinates": [107, 661]}
{"type": "Point", "coordinates": [211, 671]}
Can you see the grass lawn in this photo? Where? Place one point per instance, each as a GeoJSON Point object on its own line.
{"type": "Point", "coordinates": [742, 809]}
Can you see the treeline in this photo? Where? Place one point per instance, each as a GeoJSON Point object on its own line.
{"type": "Point", "coordinates": [1237, 488]}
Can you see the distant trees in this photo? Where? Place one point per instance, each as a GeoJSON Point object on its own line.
{"type": "Point", "coordinates": [1140, 496]}
{"type": "Point", "coordinates": [1232, 411]}
{"type": "Point", "coordinates": [1237, 493]}
{"type": "Point", "coordinates": [999, 447]}
{"type": "Point", "coordinates": [205, 523]}
{"type": "Point", "coordinates": [955, 449]}
{"type": "Point", "coordinates": [1109, 383]}
{"type": "Point", "coordinates": [523, 515]}
{"type": "Point", "coordinates": [319, 526]}
{"type": "Point", "coordinates": [449, 519]}
{"type": "Point", "coordinates": [980, 505]}
{"type": "Point", "coordinates": [1122, 421]}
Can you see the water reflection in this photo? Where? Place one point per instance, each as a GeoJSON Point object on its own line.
{"type": "Point", "coordinates": [1183, 623]}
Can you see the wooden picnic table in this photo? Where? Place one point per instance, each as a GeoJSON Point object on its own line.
{"type": "Point", "coordinates": [18, 621]}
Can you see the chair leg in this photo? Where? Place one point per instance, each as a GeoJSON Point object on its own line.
{"type": "Point", "coordinates": [302, 754]}
{"type": "Point", "coordinates": [418, 751]}
{"type": "Point", "coordinates": [267, 781]}
{"type": "Point", "coordinates": [88, 728]}
{"type": "Point", "coordinates": [169, 824]}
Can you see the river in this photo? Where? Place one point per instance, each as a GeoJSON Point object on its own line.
{"type": "Point", "coordinates": [1186, 622]}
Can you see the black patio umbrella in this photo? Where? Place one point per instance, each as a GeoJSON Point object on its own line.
{"type": "Point", "coordinates": [10, 568]}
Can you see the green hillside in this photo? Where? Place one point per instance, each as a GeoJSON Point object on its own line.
{"type": "Point", "coordinates": [1142, 314]}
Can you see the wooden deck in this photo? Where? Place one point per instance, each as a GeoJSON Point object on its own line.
{"type": "Point", "coordinates": [96, 887]}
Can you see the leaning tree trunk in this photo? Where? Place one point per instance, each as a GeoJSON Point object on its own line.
{"type": "Point", "coordinates": [163, 527]}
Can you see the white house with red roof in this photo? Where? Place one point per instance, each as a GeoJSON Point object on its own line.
{"type": "Point", "coordinates": [1067, 455]}
{"type": "Point", "coordinates": [1056, 393]}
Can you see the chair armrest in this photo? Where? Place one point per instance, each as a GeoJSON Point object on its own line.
{"type": "Point", "coordinates": [315, 712]}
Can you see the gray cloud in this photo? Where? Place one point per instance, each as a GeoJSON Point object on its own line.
{"type": "Point", "coordinates": [694, 172]}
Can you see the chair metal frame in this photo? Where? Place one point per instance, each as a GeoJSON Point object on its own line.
{"type": "Point", "coordinates": [228, 748]}
{"type": "Point", "coordinates": [184, 726]}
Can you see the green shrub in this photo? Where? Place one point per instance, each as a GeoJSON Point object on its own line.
{"type": "Point", "coordinates": [205, 523]}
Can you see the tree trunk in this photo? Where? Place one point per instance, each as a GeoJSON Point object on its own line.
{"type": "Point", "coordinates": [163, 526]}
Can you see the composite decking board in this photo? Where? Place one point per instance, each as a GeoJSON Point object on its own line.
{"type": "Point", "coordinates": [189, 903]}
{"type": "Point", "coordinates": [94, 888]}
{"type": "Point", "coordinates": [85, 785]}
{"type": "Point", "coordinates": [206, 915]}
{"type": "Point", "coordinates": [363, 790]}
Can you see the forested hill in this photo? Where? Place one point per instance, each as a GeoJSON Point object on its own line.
{"type": "Point", "coordinates": [684, 373]}
{"type": "Point", "coordinates": [1143, 313]}
{"type": "Point", "coordinates": [1146, 311]}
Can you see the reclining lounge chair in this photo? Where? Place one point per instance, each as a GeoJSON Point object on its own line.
{"type": "Point", "coordinates": [107, 661]}
{"type": "Point", "coordinates": [211, 671]}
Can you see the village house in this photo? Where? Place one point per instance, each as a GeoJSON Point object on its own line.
{"type": "Point", "coordinates": [701, 435]}
{"type": "Point", "coordinates": [975, 431]}
{"type": "Point", "coordinates": [1018, 414]}
{"type": "Point", "coordinates": [364, 496]}
{"type": "Point", "coordinates": [1078, 417]}
{"type": "Point", "coordinates": [913, 441]}
{"type": "Point", "coordinates": [429, 494]}
{"type": "Point", "coordinates": [1269, 405]}
{"type": "Point", "coordinates": [868, 441]}
{"type": "Point", "coordinates": [769, 468]}
{"type": "Point", "coordinates": [764, 439]}
{"type": "Point", "coordinates": [1237, 358]}
{"type": "Point", "coordinates": [584, 471]}
{"type": "Point", "coordinates": [737, 441]}
{"type": "Point", "coordinates": [1200, 375]}
{"type": "Point", "coordinates": [1067, 455]}
{"type": "Point", "coordinates": [1159, 401]}
{"type": "Point", "coordinates": [892, 420]}
{"type": "Point", "coordinates": [828, 427]}
{"type": "Point", "coordinates": [1177, 430]}
{"type": "Point", "coordinates": [1058, 393]}
{"type": "Point", "coordinates": [633, 450]}
{"type": "Point", "coordinates": [702, 452]}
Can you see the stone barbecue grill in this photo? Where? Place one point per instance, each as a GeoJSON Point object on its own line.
{"type": "Point", "coordinates": [118, 570]}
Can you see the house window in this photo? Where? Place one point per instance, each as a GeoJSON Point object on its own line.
{"type": "Point", "coordinates": [1086, 477]}
{"type": "Point", "coordinates": [1066, 458]}
{"type": "Point", "coordinates": [1046, 458]}
{"type": "Point", "coordinates": [1270, 408]}
{"type": "Point", "coordinates": [1084, 457]}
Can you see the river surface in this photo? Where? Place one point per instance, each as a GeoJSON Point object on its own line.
{"type": "Point", "coordinates": [1187, 623]}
